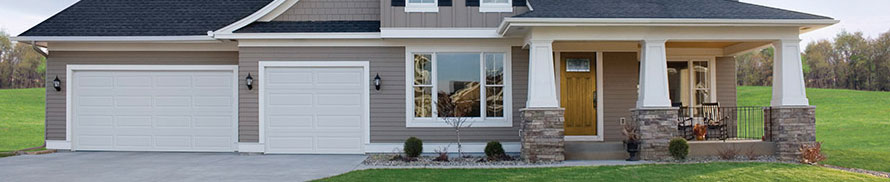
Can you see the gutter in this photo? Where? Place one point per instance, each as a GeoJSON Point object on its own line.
{"type": "Point", "coordinates": [179, 39]}
{"type": "Point", "coordinates": [39, 51]}
{"type": "Point", "coordinates": [510, 22]}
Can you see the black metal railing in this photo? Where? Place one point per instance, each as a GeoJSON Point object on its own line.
{"type": "Point", "coordinates": [723, 123]}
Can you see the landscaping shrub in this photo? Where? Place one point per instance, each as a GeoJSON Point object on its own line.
{"type": "Point", "coordinates": [812, 154]}
{"type": "Point", "coordinates": [728, 153]}
{"type": "Point", "coordinates": [494, 150]}
{"type": "Point", "coordinates": [679, 148]}
{"type": "Point", "coordinates": [413, 147]}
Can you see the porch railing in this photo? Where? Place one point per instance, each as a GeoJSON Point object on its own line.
{"type": "Point", "coordinates": [723, 123]}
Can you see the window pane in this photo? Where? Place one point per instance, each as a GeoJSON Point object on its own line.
{"type": "Point", "coordinates": [494, 1]}
{"type": "Point", "coordinates": [702, 82]}
{"type": "Point", "coordinates": [494, 101]}
{"type": "Point", "coordinates": [577, 65]}
{"type": "Point", "coordinates": [494, 69]}
{"type": "Point", "coordinates": [421, 1]}
{"type": "Point", "coordinates": [678, 83]}
{"type": "Point", "coordinates": [423, 98]}
{"type": "Point", "coordinates": [458, 77]}
{"type": "Point", "coordinates": [423, 66]}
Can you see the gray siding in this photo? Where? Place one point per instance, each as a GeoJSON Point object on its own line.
{"type": "Point", "coordinates": [57, 66]}
{"type": "Point", "coordinates": [387, 105]}
{"type": "Point", "coordinates": [458, 15]}
{"type": "Point", "coordinates": [620, 79]}
{"type": "Point", "coordinates": [726, 81]}
{"type": "Point", "coordinates": [331, 10]}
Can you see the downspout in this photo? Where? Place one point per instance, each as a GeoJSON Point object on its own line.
{"type": "Point", "coordinates": [39, 51]}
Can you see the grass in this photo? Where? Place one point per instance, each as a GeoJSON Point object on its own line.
{"type": "Point", "coordinates": [662, 172]}
{"type": "Point", "coordinates": [21, 118]}
{"type": "Point", "coordinates": [853, 126]}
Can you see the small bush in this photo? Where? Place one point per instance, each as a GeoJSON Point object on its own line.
{"type": "Point", "coordinates": [494, 150]}
{"type": "Point", "coordinates": [413, 147]}
{"type": "Point", "coordinates": [679, 148]}
{"type": "Point", "coordinates": [812, 154]}
{"type": "Point", "coordinates": [443, 154]}
{"type": "Point", "coordinates": [728, 153]}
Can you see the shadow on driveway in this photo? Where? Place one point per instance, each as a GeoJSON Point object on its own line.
{"type": "Point", "coordinates": [146, 166]}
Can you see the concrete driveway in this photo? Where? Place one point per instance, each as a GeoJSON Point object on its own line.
{"type": "Point", "coordinates": [143, 166]}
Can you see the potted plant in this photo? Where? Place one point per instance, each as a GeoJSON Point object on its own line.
{"type": "Point", "coordinates": [632, 143]}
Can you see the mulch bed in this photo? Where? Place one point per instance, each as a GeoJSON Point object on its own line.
{"type": "Point", "coordinates": [388, 160]}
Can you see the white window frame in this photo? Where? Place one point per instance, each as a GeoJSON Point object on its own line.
{"type": "Point", "coordinates": [496, 7]}
{"type": "Point", "coordinates": [435, 121]}
{"type": "Point", "coordinates": [712, 74]}
{"type": "Point", "coordinates": [421, 7]}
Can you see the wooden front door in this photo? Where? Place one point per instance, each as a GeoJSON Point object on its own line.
{"type": "Point", "coordinates": [578, 93]}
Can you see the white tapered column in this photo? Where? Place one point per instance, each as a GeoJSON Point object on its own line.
{"type": "Point", "coordinates": [541, 76]}
{"type": "Point", "coordinates": [788, 81]}
{"type": "Point", "coordinates": [653, 76]}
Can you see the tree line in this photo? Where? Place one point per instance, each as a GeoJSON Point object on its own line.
{"type": "Point", "coordinates": [849, 61]}
{"type": "Point", "coordinates": [20, 65]}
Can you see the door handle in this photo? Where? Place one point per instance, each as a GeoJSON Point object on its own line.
{"type": "Point", "coordinates": [594, 98]}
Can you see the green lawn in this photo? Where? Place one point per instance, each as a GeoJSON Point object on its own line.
{"type": "Point", "coordinates": [854, 126]}
{"type": "Point", "coordinates": [665, 172]}
{"type": "Point", "coordinates": [21, 118]}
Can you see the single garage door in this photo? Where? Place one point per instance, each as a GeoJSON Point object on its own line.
{"type": "Point", "coordinates": [314, 110]}
{"type": "Point", "coordinates": [147, 110]}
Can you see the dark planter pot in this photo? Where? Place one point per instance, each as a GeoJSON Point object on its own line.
{"type": "Point", "coordinates": [633, 149]}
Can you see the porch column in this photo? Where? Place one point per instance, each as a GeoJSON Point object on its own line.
{"type": "Point", "coordinates": [792, 121]}
{"type": "Point", "coordinates": [788, 82]}
{"type": "Point", "coordinates": [656, 119]}
{"type": "Point", "coordinates": [542, 129]}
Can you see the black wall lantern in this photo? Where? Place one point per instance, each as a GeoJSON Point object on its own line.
{"type": "Point", "coordinates": [377, 81]}
{"type": "Point", "coordinates": [57, 84]}
{"type": "Point", "coordinates": [249, 82]}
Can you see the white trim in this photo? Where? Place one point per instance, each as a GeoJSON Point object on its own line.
{"type": "Point", "coordinates": [278, 10]}
{"type": "Point", "coordinates": [70, 68]}
{"type": "Point", "coordinates": [365, 65]}
{"type": "Point", "coordinates": [496, 7]}
{"type": "Point", "coordinates": [250, 19]}
{"type": "Point", "coordinates": [174, 47]}
{"type": "Point", "coordinates": [251, 147]}
{"type": "Point", "coordinates": [177, 39]}
{"type": "Point", "coordinates": [58, 144]}
{"type": "Point", "coordinates": [361, 35]}
{"type": "Point", "coordinates": [532, 22]}
{"type": "Point", "coordinates": [599, 92]}
{"type": "Point", "coordinates": [421, 7]}
{"type": "Point", "coordinates": [469, 147]}
{"type": "Point", "coordinates": [411, 122]}
{"type": "Point", "coordinates": [439, 33]}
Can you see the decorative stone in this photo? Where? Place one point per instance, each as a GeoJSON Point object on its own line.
{"type": "Point", "coordinates": [543, 135]}
{"type": "Point", "coordinates": [790, 127]}
{"type": "Point", "coordinates": [657, 127]}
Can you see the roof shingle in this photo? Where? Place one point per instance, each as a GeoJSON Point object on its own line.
{"type": "Point", "coordinates": [311, 26]}
{"type": "Point", "coordinates": [691, 9]}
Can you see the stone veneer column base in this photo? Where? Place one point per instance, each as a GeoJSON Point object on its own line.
{"type": "Point", "coordinates": [791, 127]}
{"type": "Point", "coordinates": [657, 127]}
{"type": "Point", "coordinates": [543, 134]}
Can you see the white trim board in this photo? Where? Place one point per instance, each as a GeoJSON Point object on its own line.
{"type": "Point", "coordinates": [250, 18]}
{"type": "Point", "coordinates": [510, 22]}
{"type": "Point", "coordinates": [291, 36]}
{"type": "Point", "coordinates": [177, 39]}
{"type": "Point", "coordinates": [365, 65]}
{"type": "Point", "coordinates": [278, 10]}
{"type": "Point", "coordinates": [58, 144]}
{"type": "Point", "coordinates": [251, 147]}
{"type": "Point", "coordinates": [468, 147]}
{"type": "Point", "coordinates": [70, 68]}
{"type": "Point", "coordinates": [439, 33]}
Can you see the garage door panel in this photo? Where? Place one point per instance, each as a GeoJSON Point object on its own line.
{"type": "Point", "coordinates": [154, 111]}
{"type": "Point", "coordinates": [320, 112]}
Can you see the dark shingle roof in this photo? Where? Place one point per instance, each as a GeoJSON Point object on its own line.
{"type": "Point", "coordinates": [692, 9]}
{"type": "Point", "coordinates": [145, 17]}
{"type": "Point", "coordinates": [311, 26]}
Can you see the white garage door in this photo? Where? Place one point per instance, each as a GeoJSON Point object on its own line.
{"type": "Point", "coordinates": [184, 110]}
{"type": "Point", "coordinates": [314, 110]}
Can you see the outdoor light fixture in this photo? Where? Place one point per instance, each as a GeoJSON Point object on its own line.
{"type": "Point", "coordinates": [57, 84]}
{"type": "Point", "coordinates": [249, 82]}
{"type": "Point", "coordinates": [377, 81]}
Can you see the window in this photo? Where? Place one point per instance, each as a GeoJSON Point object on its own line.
{"type": "Point", "coordinates": [691, 82]}
{"type": "Point", "coordinates": [476, 81]}
{"type": "Point", "coordinates": [421, 6]}
{"type": "Point", "coordinates": [496, 5]}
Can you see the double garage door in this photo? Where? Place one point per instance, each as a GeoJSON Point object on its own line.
{"type": "Point", "coordinates": [192, 108]}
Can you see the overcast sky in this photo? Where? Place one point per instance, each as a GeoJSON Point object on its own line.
{"type": "Point", "coordinates": [869, 16]}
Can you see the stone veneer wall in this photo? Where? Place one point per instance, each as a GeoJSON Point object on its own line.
{"type": "Point", "coordinates": [791, 127]}
{"type": "Point", "coordinates": [657, 127]}
{"type": "Point", "coordinates": [543, 134]}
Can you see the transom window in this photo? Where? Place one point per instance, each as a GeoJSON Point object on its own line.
{"type": "Point", "coordinates": [475, 81]}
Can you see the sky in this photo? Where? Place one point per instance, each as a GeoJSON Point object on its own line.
{"type": "Point", "coordinates": [868, 16]}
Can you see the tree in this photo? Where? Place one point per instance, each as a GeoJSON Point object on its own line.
{"type": "Point", "coordinates": [20, 65]}
{"type": "Point", "coordinates": [454, 112]}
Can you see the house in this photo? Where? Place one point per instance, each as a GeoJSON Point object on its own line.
{"type": "Point", "coordinates": [552, 79]}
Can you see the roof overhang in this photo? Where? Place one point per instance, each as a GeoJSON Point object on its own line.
{"type": "Point", "coordinates": [156, 39]}
{"type": "Point", "coordinates": [806, 25]}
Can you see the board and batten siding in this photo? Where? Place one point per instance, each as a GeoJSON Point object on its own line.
{"type": "Point", "coordinates": [387, 105]}
{"type": "Point", "coordinates": [620, 79]}
{"type": "Point", "coordinates": [332, 10]}
{"type": "Point", "coordinates": [57, 62]}
{"type": "Point", "coordinates": [459, 15]}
